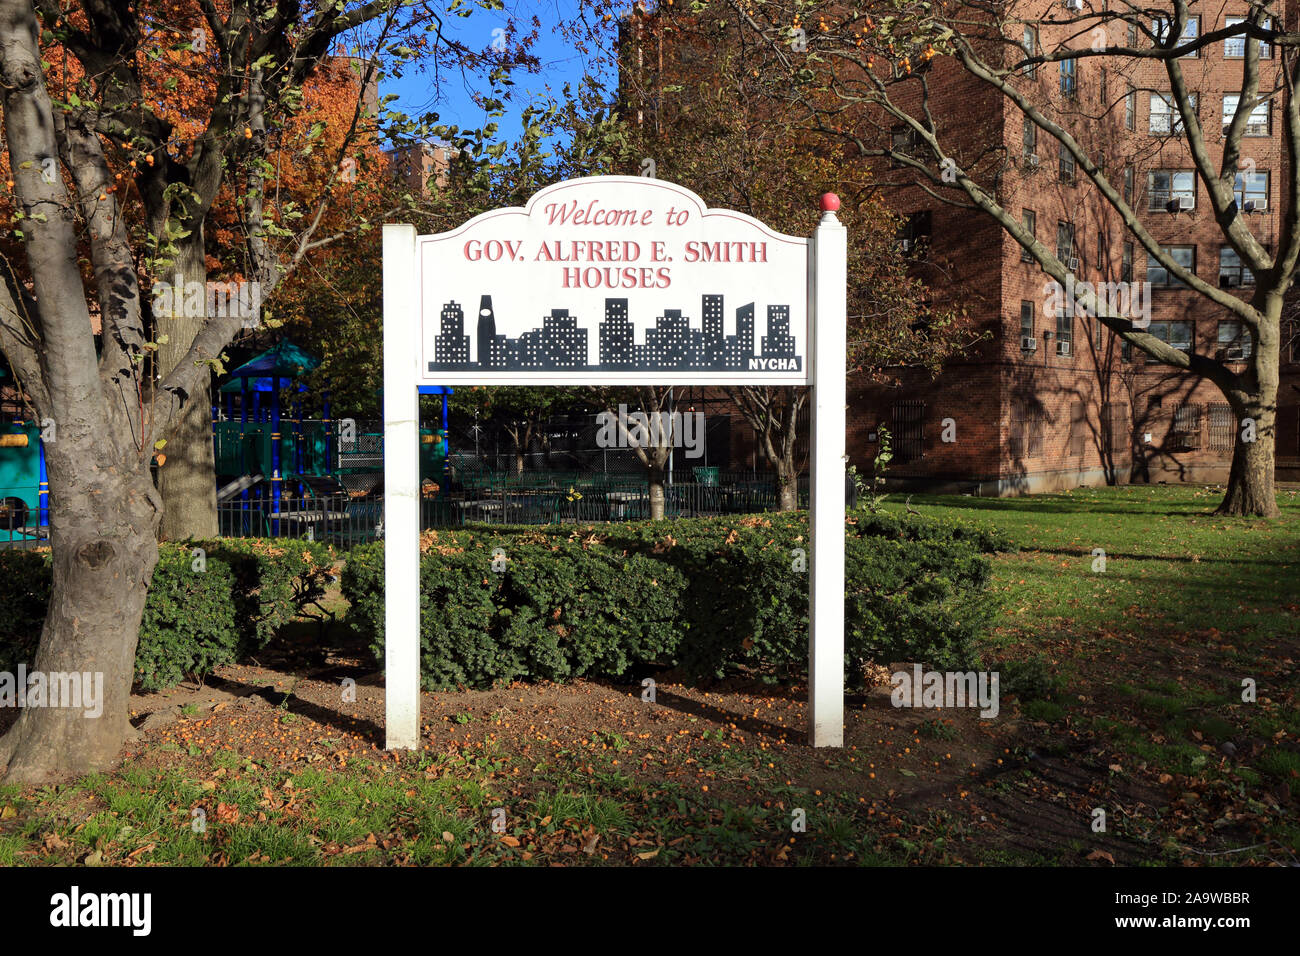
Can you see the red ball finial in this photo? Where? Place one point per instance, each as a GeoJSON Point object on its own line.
{"type": "Point", "coordinates": [830, 202]}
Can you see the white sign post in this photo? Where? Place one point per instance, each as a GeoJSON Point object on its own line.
{"type": "Point", "coordinates": [614, 280]}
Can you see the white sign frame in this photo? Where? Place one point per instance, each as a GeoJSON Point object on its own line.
{"type": "Point", "coordinates": [406, 289]}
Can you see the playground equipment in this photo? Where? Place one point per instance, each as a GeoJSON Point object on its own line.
{"type": "Point", "coordinates": [24, 485]}
{"type": "Point", "coordinates": [272, 480]}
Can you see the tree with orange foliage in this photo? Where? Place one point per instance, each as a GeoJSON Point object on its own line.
{"type": "Point", "coordinates": [123, 124]}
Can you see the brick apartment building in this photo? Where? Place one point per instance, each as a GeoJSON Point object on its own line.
{"type": "Point", "coordinates": [420, 165]}
{"type": "Point", "coordinates": [1051, 401]}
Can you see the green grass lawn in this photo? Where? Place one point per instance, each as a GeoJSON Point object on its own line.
{"type": "Point", "coordinates": [1128, 694]}
{"type": "Point", "coordinates": [1149, 655]}
{"type": "Point", "coordinates": [1170, 565]}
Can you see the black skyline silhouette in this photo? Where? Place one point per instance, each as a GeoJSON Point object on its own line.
{"type": "Point", "coordinates": [671, 345]}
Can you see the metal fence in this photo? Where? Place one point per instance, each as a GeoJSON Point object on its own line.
{"type": "Point", "coordinates": [346, 520]}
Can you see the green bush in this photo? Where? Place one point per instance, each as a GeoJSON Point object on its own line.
{"type": "Point", "coordinates": [274, 581]}
{"type": "Point", "coordinates": [712, 595]}
{"type": "Point", "coordinates": [192, 621]}
{"type": "Point", "coordinates": [190, 624]}
{"type": "Point", "coordinates": [26, 576]}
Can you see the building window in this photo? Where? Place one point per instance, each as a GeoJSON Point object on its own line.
{"type": "Point", "coordinates": [1128, 185]}
{"type": "Point", "coordinates": [1130, 109]}
{"type": "Point", "coordinates": [1166, 186]}
{"type": "Point", "coordinates": [1222, 426]}
{"type": "Point", "coordinates": [1252, 189]}
{"type": "Point", "coordinates": [1132, 34]}
{"type": "Point", "coordinates": [1257, 124]}
{"type": "Point", "coordinates": [1070, 78]}
{"type": "Point", "coordinates": [1232, 271]}
{"type": "Point", "coordinates": [1029, 139]}
{"type": "Point", "coordinates": [1165, 117]}
{"type": "Point", "coordinates": [1026, 323]}
{"type": "Point", "coordinates": [905, 141]}
{"type": "Point", "coordinates": [1158, 275]}
{"type": "Point", "coordinates": [1191, 30]}
{"type": "Point", "coordinates": [1065, 242]}
{"type": "Point", "coordinates": [1030, 45]}
{"type": "Point", "coordinates": [914, 235]}
{"type": "Point", "coordinates": [1234, 343]}
{"type": "Point", "coordinates": [1066, 164]}
{"type": "Point", "coordinates": [1027, 427]}
{"type": "Point", "coordinates": [1186, 432]}
{"type": "Point", "coordinates": [1178, 334]}
{"type": "Point", "coordinates": [1064, 332]}
{"type": "Point", "coordinates": [908, 420]}
{"type": "Point", "coordinates": [1126, 350]}
{"type": "Point", "coordinates": [1031, 224]}
{"type": "Point", "coordinates": [1235, 47]}
{"type": "Point", "coordinates": [1103, 252]}
{"type": "Point", "coordinates": [1126, 263]}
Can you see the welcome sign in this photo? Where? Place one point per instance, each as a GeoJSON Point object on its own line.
{"type": "Point", "coordinates": [614, 280]}
{"type": "Point", "coordinates": [613, 274]}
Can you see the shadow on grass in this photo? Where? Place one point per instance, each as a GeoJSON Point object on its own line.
{"type": "Point", "coordinates": [1177, 559]}
{"type": "Point", "coordinates": [1055, 504]}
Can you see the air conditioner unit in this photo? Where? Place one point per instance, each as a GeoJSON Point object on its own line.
{"type": "Point", "coordinates": [906, 244]}
{"type": "Point", "coordinates": [1186, 202]}
{"type": "Point", "coordinates": [1028, 343]}
{"type": "Point", "coordinates": [1234, 354]}
{"type": "Point", "coordinates": [1032, 160]}
{"type": "Point", "coordinates": [1062, 348]}
{"type": "Point", "coordinates": [1073, 4]}
{"type": "Point", "coordinates": [1256, 205]}
{"type": "Point", "coordinates": [1073, 263]}
{"type": "Point", "coordinates": [1228, 281]}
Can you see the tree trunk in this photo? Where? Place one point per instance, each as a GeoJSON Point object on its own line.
{"type": "Point", "coordinates": [787, 484]}
{"type": "Point", "coordinates": [1251, 491]}
{"type": "Point", "coordinates": [104, 551]}
{"type": "Point", "coordinates": [658, 494]}
{"type": "Point", "coordinates": [188, 481]}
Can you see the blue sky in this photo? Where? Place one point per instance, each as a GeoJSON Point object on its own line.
{"type": "Point", "coordinates": [453, 100]}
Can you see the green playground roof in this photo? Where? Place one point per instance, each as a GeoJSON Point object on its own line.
{"type": "Point", "coordinates": [283, 361]}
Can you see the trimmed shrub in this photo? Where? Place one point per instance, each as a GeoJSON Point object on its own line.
{"type": "Point", "coordinates": [275, 579]}
{"type": "Point", "coordinates": [192, 621]}
{"type": "Point", "coordinates": [554, 611]}
{"type": "Point", "coordinates": [711, 595]}
{"type": "Point", "coordinates": [26, 575]}
{"type": "Point", "coordinates": [190, 624]}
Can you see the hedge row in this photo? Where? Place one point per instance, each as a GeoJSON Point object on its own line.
{"type": "Point", "coordinates": [711, 595]}
{"type": "Point", "coordinates": [201, 611]}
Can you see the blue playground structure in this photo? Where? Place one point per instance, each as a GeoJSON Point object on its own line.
{"type": "Point", "coordinates": [281, 475]}
{"type": "Point", "coordinates": [276, 474]}
{"type": "Point", "coordinates": [24, 485]}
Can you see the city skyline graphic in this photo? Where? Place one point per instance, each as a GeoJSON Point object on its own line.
{"type": "Point", "coordinates": [671, 344]}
